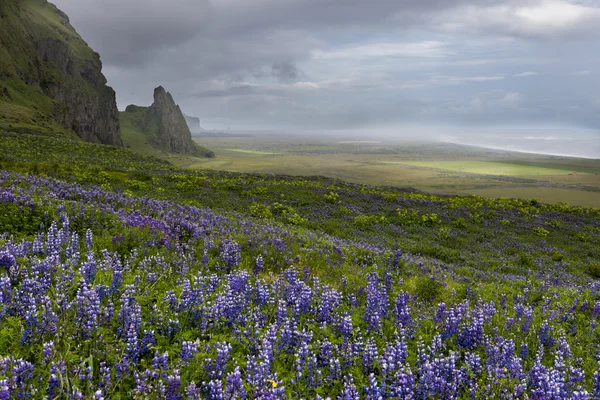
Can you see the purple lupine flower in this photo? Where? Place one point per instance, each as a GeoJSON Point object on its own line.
{"type": "Point", "coordinates": [88, 309]}
{"type": "Point", "coordinates": [235, 385]}
{"type": "Point", "coordinates": [88, 268]}
{"type": "Point", "coordinates": [370, 355]}
{"type": "Point", "coordinates": [596, 384]}
{"type": "Point", "coordinates": [105, 375]}
{"type": "Point", "coordinates": [215, 390]}
{"type": "Point", "coordinates": [189, 351]}
{"type": "Point", "coordinates": [455, 316]}
{"type": "Point", "coordinates": [48, 351]}
{"type": "Point", "coordinates": [218, 366]}
{"type": "Point", "coordinates": [89, 239]}
{"type": "Point", "coordinates": [349, 392]}
{"type": "Point", "coordinates": [192, 391]}
{"type": "Point", "coordinates": [345, 326]}
{"type": "Point", "coordinates": [230, 253]}
{"type": "Point", "coordinates": [7, 260]}
{"type": "Point", "coordinates": [545, 336]}
{"type": "Point", "coordinates": [4, 389]}
{"type": "Point", "coordinates": [472, 332]}
{"type": "Point", "coordinates": [259, 265]}
{"type": "Point", "coordinates": [397, 258]}
{"type": "Point", "coordinates": [524, 351]}
{"type": "Point", "coordinates": [580, 395]}
{"type": "Point", "coordinates": [148, 340]}
{"type": "Point", "coordinates": [174, 386]}
{"type": "Point", "coordinates": [473, 361]}
{"type": "Point", "coordinates": [440, 315]}
{"type": "Point", "coordinates": [132, 347]}
{"type": "Point", "coordinates": [528, 313]}
{"type": "Point", "coordinates": [404, 384]}
{"type": "Point", "coordinates": [161, 362]}
{"type": "Point", "coordinates": [377, 302]}
{"type": "Point", "coordinates": [373, 392]}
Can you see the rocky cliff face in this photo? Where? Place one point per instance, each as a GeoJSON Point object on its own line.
{"type": "Point", "coordinates": [162, 125]}
{"type": "Point", "coordinates": [173, 132]}
{"type": "Point", "coordinates": [193, 123]}
{"type": "Point", "coordinates": [48, 72]}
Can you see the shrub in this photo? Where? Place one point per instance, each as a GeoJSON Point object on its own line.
{"type": "Point", "coordinates": [526, 260]}
{"type": "Point", "coordinates": [444, 233]}
{"type": "Point", "coordinates": [296, 219]}
{"type": "Point", "coordinates": [594, 270]}
{"type": "Point", "coordinates": [540, 231]}
{"type": "Point", "coordinates": [427, 288]}
{"type": "Point", "coordinates": [260, 210]}
{"type": "Point", "coordinates": [364, 221]}
{"type": "Point", "coordinates": [279, 208]}
{"type": "Point", "coordinates": [332, 198]}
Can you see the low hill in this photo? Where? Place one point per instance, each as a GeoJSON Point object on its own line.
{"type": "Point", "coordinates": [159, 128]}
{"type": "Point", "coordinates": [50, 78]}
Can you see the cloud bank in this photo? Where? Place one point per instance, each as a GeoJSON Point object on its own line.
{"type": "Point", "coordinates": [343, 64]}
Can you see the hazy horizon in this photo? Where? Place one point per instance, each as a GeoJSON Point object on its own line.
{"type": "Point", "coordinates": [578, 143]}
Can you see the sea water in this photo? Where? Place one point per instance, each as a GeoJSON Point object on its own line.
{"type": "Point", "coordinates": [583, 144]}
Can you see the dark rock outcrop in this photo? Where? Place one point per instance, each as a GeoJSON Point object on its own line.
{"type": "Point", "coordinates": [164, 125]}
{"type": "Point", "coordinates": [173, 132]}
{"type": "Point", "coordinates": [54, 72]}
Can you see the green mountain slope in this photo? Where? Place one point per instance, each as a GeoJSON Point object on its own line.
{"type": "Point", "coordinates": [49, 77]}
{"type": "Point", "coordinates": [159, 129]}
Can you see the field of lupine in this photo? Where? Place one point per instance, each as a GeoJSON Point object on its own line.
{"type": "Point", "coordinates": [123, 277]}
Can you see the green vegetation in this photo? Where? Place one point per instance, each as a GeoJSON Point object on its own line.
{"type": "Point", "coordinates": [141, 134]}
{"type": "Point", "coordinates": [571, 180]}
{"type": "Point", "coordinates": [166, 267]}
{"type": "Point", "coordinates": [492, 167]}
{"type": "Point", "coordinates": [25, 23]}
{"type": "Point", "coordinates": [253, 151]}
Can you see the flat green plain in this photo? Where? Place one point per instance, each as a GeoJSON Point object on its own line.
{"type": "Point", "coordinates": [486, 167]}
{"type": "Point", "coordinates": [432, 167]}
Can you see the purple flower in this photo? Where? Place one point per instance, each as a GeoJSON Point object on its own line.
{"type": "Point", "coordinates": [188, 351]}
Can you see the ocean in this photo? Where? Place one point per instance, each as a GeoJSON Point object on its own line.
{"type": "Point", "coordinates": [584, 144]}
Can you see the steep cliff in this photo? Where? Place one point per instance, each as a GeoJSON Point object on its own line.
{"type": "Point", "coordinates": [193, 123]}
{"type": "Point", "coordinates": [49, 77]}
{"type": "Point", "coordinates": [161, 126]}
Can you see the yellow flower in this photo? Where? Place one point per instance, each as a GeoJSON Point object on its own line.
{"type": "Point", "coordinates": [273, 383]}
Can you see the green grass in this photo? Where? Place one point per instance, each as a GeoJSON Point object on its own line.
{"type": "Point", "coordinates": [132, 134]}
{"type": "Point", "coordinates": [26, 23]}
{"type": "Point", "coordinates": [257, 152]}
{"type": "Point", "coordinates": [141, 137]}
{"type": "Point", "coordinates": [29, 149]}
{"type": "Point", "coordinates": [387, 165]}
{"type": "Point", "coordinates": [52, 23]}
{"type": "Point", "coordinates": [488, 167]}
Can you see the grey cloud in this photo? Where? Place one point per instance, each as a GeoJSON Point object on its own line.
{"type": "Point", "coordinates": [285, 71]}
{"type": "Point", "coordinates": [296, 62]}
{"type": "Point", "coordinates": [240, 90]}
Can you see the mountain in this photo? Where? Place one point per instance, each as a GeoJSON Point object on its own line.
{"type": "Point", "coordinates": [50, 79]}
{"type": "Point", "coordinates": [161, 126]}
{"type": "Point", "coordinates": [193, 123]}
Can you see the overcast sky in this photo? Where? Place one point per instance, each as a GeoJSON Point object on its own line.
{"type": "Point", "coordinates": [348, 64]}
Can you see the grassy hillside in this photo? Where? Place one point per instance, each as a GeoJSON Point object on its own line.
{"type": "Point", "coordinates": [23, 23]}
{"type": "Point", "coordinates": [50, 79]}
{"type": "Point", "coordinates": [140, 135]}
{"type": "Point", "coordinates": [123, 276]}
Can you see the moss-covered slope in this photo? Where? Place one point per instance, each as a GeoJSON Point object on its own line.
{"type": "Point", "coordinates": [49, 77]}
{"type": "Point", "coordinates": [159, 128]}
